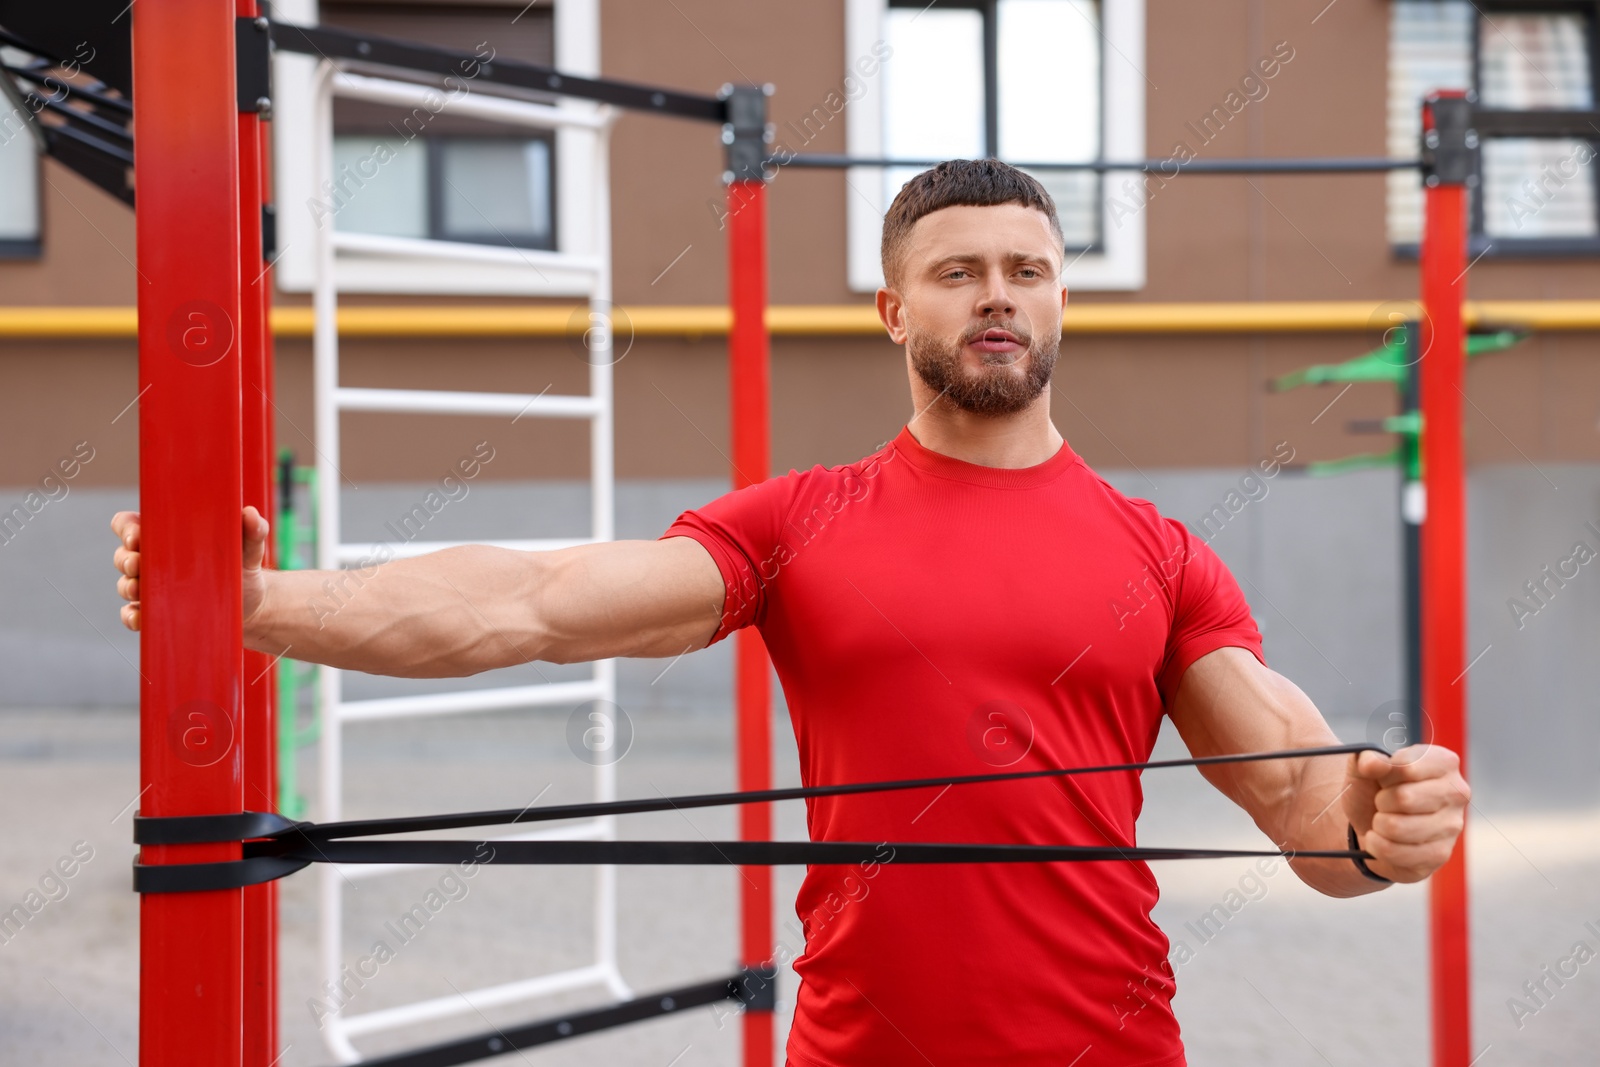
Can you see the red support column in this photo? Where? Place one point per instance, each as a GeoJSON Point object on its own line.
{"type": "Point", "coordinates": [260, 729]}
{"type": "Point", "coordinates": [1444, 577]}
{"type": "Point", "coordinates": [748, 353]}
{"type": "Point", "coordinates": [186, 163]}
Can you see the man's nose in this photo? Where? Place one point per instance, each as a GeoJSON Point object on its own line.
{"type": "Point", "coordinates": [997, 298]}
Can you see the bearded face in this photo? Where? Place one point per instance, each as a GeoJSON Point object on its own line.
{"type": "Point", "coordinates": [1013, 367]}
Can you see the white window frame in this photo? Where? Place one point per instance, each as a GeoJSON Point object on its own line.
{"type": "Point", "coordinates": [577, 50]}
{"type": "Point", "coordinates": [1120, 263]}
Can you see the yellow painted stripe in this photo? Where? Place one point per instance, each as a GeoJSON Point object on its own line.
{"type": "Point", "coordinates": [87, 323]}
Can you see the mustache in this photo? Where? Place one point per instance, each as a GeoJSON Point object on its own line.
{"type": "Point", "coordinates": [1023, 335]}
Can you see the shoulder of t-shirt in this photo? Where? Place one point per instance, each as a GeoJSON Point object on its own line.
{"type": "Point", "coordinates": [1138, 509]}
{"type": "Point", "coordinates": [776, 499]}
{"type": "Point", "coordinates": [821, 480]}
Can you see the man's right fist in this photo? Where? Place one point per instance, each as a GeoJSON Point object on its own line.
{"type": "Point", "coordinates": [125, 524]}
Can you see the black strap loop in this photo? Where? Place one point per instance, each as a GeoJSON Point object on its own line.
{"type": "Point", "coordinates": [274, 846]}
{"type": "Point", "coordinates": [202, 829]}
{"type": "Point", "coordinates": [224, 874]}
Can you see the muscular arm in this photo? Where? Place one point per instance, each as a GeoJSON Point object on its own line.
{"type": "Point", "coordinates": [469, 609]}
{"type": "Point", "coordinates": [1407, 810]}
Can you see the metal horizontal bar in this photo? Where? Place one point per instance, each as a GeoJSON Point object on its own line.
{"type": "Point", "coordinates": [93, 121]}
{"type": "Point", "coordinates": [472, 1000]}
{"type": "Point", "coordinates": [432, 402]}
{"type": "Point", "coordinates": [1498, 122]}
{"type": "Point", "coordinates": [325, 42]}
{"type": "Point", "coordinates": [1167, 167]}
{"type": "Point", "coordinates": [463, 701]}
{"type": "Point", "coordinates": [115, 154]}
{"type": "Point", "coordinates": [355, 552]}
{"type": "Point", "coordinates": [494, 108]}
{"type": "Point", "coordinates": [510, 255]}
{"type": "Point", "coordinates": [584, 831]}
{"type": "Point", "coordinates": [513, 1039]}
{"type": "Point", "coordinates": [92, 94]}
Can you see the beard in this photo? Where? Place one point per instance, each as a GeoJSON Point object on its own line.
{"type": "Point", "coordinates": [995, 389]}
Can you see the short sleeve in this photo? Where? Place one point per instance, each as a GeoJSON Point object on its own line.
{"type": "Point", "coordinates": [741, 531]}
{"type": "Point", "coordinates": [1210, 612]}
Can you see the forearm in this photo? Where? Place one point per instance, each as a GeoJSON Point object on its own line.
{"type": "Point", "coordinates": [1230, 703]}
{"type": "Point", "coordinates": [447, 614]}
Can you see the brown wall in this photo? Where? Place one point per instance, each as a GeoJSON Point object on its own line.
{"type": "Point", "coordinates": [1146, 402]}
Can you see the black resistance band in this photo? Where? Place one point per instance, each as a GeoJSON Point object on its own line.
{"type": "Point", "coordinates": [274, 846]}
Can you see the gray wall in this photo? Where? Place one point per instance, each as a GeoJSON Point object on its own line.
{"type": "Point", "coordinates": [1317, 558]}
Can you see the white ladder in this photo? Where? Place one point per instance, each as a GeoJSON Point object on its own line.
{"type": "Point", "coordinates": [332, 399]}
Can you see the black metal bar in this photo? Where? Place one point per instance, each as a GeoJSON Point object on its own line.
{"type": "Point", "coordinates": [22, 45]}
{"type": "Point", "coordinates": [1170, 168]}
{"type": "Point", "coordinates": [95, 122]}
{"type": "Point", "coordinates": [119, 155]}
{"type": "Point", "coordinates": [1499, 122]}
{"type": "Point", "coordinates": [1411, 543]}
{"type": "Point", "coordinates": [43, 76]}
{"type": "Point", "coordinates": [559, 1028]}
{"type": "Point", "coordinates": [330, 43]}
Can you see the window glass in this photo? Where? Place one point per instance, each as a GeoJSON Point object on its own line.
{"type": "Point", "coordinates": [1049, 101]}
{"type": "Point", "coordinates": [19, 169]}
{"type": "Point", "coordinates": [1538, 188]}
{"type": "Point", "coordinates": [495, 189]}
{"type": "Point", "coordinates": [1527, 61]}
{"type": "Point", "coordinates": [932, 88]}
{"type": "Point", "coordinates": [380, 189]}
{"type": "Point", "coordinates": [1430, 47]}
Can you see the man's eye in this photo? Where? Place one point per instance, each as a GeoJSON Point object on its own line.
{"type": "Point", "coordinates": [1031, 272]}
{"type": "Point", "coordinates": [954, 273]}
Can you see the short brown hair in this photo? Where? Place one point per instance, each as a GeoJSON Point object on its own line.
{"type": "Point", "coordinates": [959, 182]}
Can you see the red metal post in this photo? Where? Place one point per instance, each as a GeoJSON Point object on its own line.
{"type": "Point", "coordinates": [1444, 579]}
{"type": "Point", "coordinates": [186, 163]}
{"type": "Point", "coordinates": [260, 730]}
{"type": "Point", "coordinates": [748, 352]}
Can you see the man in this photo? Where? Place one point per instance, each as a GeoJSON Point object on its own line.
{"type": "Point", "coordinates": [971, 595]}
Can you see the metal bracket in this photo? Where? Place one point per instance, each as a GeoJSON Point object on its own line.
{"type": "Point", "coordinates": [756, 988]}
{"type": "Point", "coordinates": [252, 46]}
{"type": "Point", "coordinates": [269, 232]}
{"type": "Point", "coordinates": [1450, 148]}
{"type": "Point", "coordinates": [747, 132]}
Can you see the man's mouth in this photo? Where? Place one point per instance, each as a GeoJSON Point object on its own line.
{"type": "Point", "coordinates": [996, 341]}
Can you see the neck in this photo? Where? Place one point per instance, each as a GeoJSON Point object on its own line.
{"type": "Point", "coordinates": [1026, 438]}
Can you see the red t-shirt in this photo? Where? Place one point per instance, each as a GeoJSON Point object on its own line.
{"type": "Point", "coordinates": [932, 617]}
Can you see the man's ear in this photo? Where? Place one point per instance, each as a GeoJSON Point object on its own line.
{"type": "Point", "coordinates": [892, 312]}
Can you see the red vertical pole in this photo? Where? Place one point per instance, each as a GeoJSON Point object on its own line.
{"type": "Point", "coordinates": [260, 732]}
{"type": "Point", "coordinates": [1444, 578]}
{"type": "Point", "coordinates": [748, 353]}
{"type": "Point", "coordinates": [186, 163]}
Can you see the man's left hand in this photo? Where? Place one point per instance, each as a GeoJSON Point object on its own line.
{"type": "Point", "coordinates": [1407, 809]}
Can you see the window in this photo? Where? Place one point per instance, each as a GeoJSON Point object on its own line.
{"type": "Point", "coordinates": [451, 179]}
{"type": "Point", "coordinates": [1537, 194]}
{"type": "Point", "coordinates": [1030, 81]}
{"type": "Point", "coordinates": [483, 190]}
{"type": "Point", "coordinates": [19, 177]}
{"type": "Point", "coordinates": [459, 174]}
{"type": "Point", "coordinates": [1008, 79]}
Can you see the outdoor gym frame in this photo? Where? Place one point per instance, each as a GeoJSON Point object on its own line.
{"type": "Point", "coordinates": [208, 980]}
